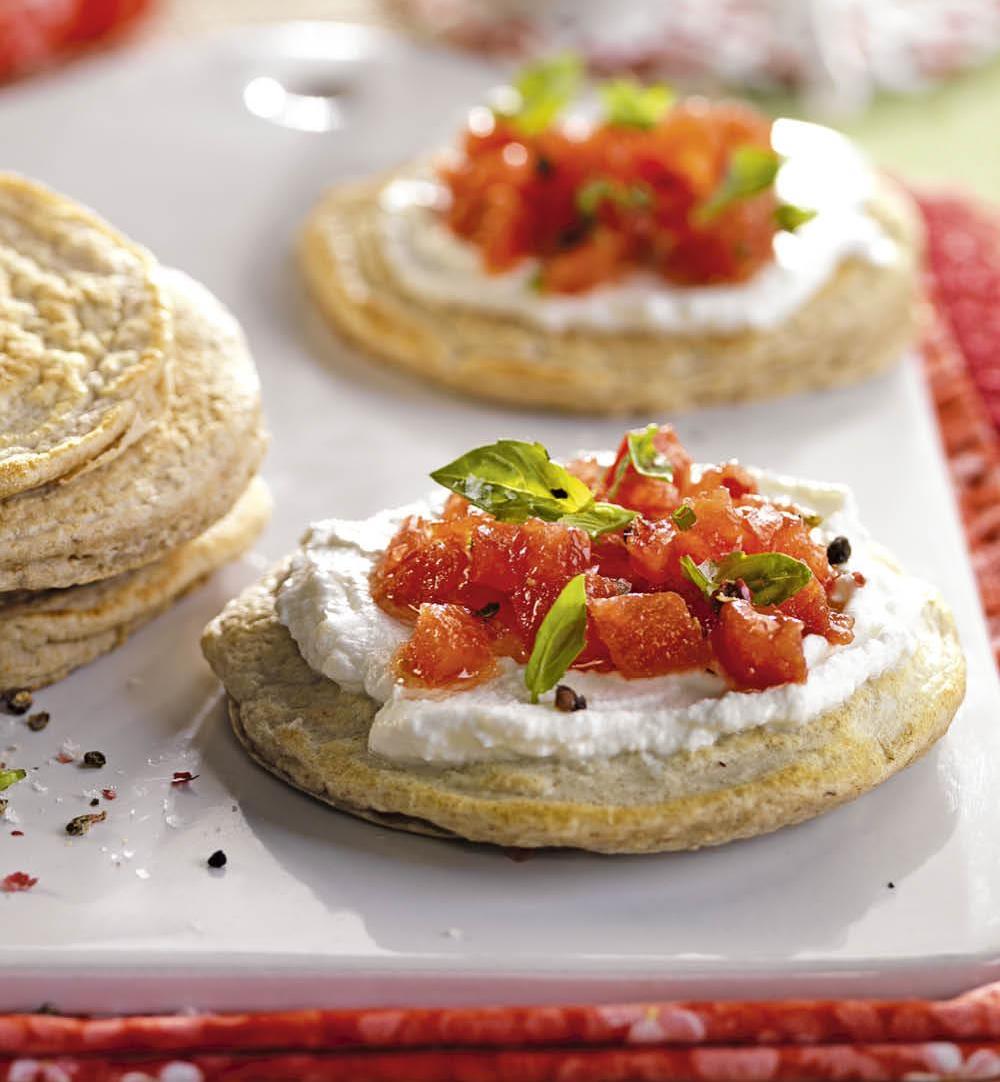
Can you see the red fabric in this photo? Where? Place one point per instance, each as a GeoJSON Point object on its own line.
{"type": "Point", "coordinates": [962, 353]}
{"type": "Point", "coordinates": [719, 1042]}
{"type": "Point", "coordinates": [33, 33]}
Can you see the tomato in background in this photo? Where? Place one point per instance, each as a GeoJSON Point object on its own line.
{"type": "Point", "coordinates": [35, 33]}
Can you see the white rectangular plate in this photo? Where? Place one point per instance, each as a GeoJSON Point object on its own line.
{"type": "Point", "coordinates": [315, 908]}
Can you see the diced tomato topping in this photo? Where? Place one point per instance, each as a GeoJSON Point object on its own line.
{"type": "Point", "coordinates": [478, 589]}
{"type": "Point", "coordinates": [652, 496]}
{"type": "Point", "coordinates": [517, 196]}
{"type": "Point", "coordinates": [588, 469]}
{"type": "Point", "coordinates": [757, 649]}
{"type": "Point", "coordinates": [731, 475]}
{"type": "Point", "coordinates": [812, 607]}
{"type": "Point", "coordinates": [649, 634]}
{"type": "Point", "coordinates": [450, 646]}
{"type": "Point", "coordinates": [427, 562]}
{"type": "Point", "coordinates": [530, 563]}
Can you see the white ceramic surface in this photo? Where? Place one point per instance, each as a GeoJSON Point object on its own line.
{"type": "Point", "coordinates": [314, 907]}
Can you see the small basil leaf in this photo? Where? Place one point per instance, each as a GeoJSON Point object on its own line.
{"type": "Point", "coordinates": [543, 91]}
{"type": "Point", "coordinates": [684, 517]}
{"type": "Point", "coordinates": [591, 195]}
{"type": "Point", "coordinates": [789, 217]}
{"type": "Point", "coordinates": [630, 104]}
{"type": "Point", "coordinates": [772, 577]}
{"type": "Point", "coordinates": [703, 576]}
{"type": "Point", "coordinates": [513, 481]}
{"type": "Point", "coordinates": [10, 777]}
{"type": "Point", "coordinates": [560, 638]}
{"type": "Point", "coordinates": [646, 459]}
{"type": "Point", "coordinates": [599, 518]}
{"type": "Point", "coordinates": [752, 170]}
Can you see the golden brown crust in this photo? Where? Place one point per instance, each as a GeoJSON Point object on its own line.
{"type": "Point", "coordinates": [164, 489]}
{"type": "Point", "coordinates": [305, 729]}
{"type": "Point", "coordinates": [44, 636]}
{"type": "Point", "coordinates": [84, 336]}
{"type": "Point", "coordinates": [858, 324]}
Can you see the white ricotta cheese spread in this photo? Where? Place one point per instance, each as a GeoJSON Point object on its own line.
{"type": "Point", "coordinates": [822, 171]}
{"type": "Point", "coordinates": [326, 604]}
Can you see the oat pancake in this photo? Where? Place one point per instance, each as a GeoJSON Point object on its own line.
{"type": "Point", "coordinates": [304, 728]}
{"type": "Point", "coordinates": [84, 332]}
{"type": "Point", "coordinates": [857, 324]}
{"type": "Point", "coordinates": [45, 635]}
{"type": "Point", "coordinates": [166, 488]}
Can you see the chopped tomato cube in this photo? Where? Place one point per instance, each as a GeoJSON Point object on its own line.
{"type": "Point", "coordinates": [758, 650]}
{"type": "Point", "coordinates": [649, 634]}
{"type": "Point", "coordinates": [449, 648]}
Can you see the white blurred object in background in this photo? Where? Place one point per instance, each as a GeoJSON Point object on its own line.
{"type": "Point", "coordinates": [835, 53]}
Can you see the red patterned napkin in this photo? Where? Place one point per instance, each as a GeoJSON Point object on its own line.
{"type": "Point", "coordinates": [720, 1042]}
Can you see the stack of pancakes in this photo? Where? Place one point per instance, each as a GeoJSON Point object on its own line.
{"type": "Point", "coordinates": [130, 436]}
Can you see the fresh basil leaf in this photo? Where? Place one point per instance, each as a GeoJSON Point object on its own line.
{"type": "Point", "coordinates": [544, 90]}
{"type": "Point", "coordinates": [600, 518]}
{"type": "Point", "coordinates": [646, 459]}
{"type": "Point", "coordinates": [513, 481]}
{"type": "Point", "coordinates": [772, 577]}
{"type": "Point", "coordinates": [752, 169]}
{"type": "Point", "coordinates": [789, 217]}
{"type": "Point", "coordinates": [560, 638]}
{"type": "Point", "coordinates": [702, 578]}
{"type": "Point", "coordinates": [10, 777]}
{"type": "Point", "coordinates": [631, 105]}
{"type": "Point", "coordinates": [591, 195]}
{"type": "Point", "coordinates": [684, 517]}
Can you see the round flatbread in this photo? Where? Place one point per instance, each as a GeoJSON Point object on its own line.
{"type": "Point", "coordinates": [860, 322]}
{"type": "Point", "coordinates": [84, 333]}
{"type": "Point", "coordinates": [45, 635]}
{"type": "Point", "coordinates": [167, 488]}
{"type": "Point", "coordinates": [304, 728]}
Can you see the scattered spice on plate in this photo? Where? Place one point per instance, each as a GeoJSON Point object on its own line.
{"type": "Point", "coordinates": [95, 802]}
{"type": "Point", "coordinates": [838, 551]}
{"type": "Point", "coordinates": [182, 777]}
{"type": "Point", "coordinates": [17, 833]}
{"type": "Point", "coordinates": [17, 881]}
{"type": "Point", "coordinates": [892, 886]}
{"type": "Point", "coordinates": [110, 793]}
{"type": "Point", "coordinates": [17, 700]}
{"type": "Point", "coordinates": [568, 700]}
{"type": "Point", "coordinates": [94, 759]}
{"type": "Point", "coordinates": [37, 722]}
{"type": "Point", "coordinates": [82, 823]}
{"type": "Point", "coordinates": [218, 859]}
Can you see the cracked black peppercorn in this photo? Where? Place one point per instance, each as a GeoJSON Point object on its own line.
{"type": "Point", "coordinates": [94, 759]}
{"type": "Point", "coordinates": [82, 823]}
{"type": "Point", "coordinates": [568, 700]}
{"type": "Point", "coordinates": [217, 859]}
{"type": "Point", "coordinates": [37, 722]}
{"type": "Point", "coordinates": [838, 551]}
{"type": "Point", "coordinates": [488, 611]}
{"type": "Point", "coordinates": [18, 700]}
